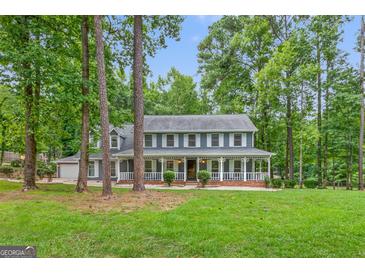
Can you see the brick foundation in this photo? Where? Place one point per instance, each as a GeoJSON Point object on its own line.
{"type": "Point", "coordinates": [211, 183]}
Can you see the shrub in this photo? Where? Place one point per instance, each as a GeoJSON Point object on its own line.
{"type": "Point", "coordinates": [290, 183]}
{"type": "Point", "coordinates": [7, 170]}
{"type": "Point", "coordinates": [44, 169]}
{"type": "Point", "coordinates": [16, 163]}
{"type": "Point", "coordinates": [267, 181]}
{"type": "Point", "coordinates": [276, 183]}
{"type": "Point", "coordinates": [204, 177]}
{"type": "Point", "coordinates": [310, 183]}
{"type": "Point", "coordinates": [169, 177]}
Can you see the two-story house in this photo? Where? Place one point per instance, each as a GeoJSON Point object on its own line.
{"type": "Point", "coordinates": [221, 144]}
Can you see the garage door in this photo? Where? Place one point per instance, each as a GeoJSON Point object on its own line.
{"type": "Point", "coordinates": [69, 171]}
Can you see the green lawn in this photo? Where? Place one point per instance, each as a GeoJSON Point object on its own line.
{"type": "Point", "coordinates": [288, 223]}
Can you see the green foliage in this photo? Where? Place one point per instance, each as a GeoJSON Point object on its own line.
{"type": "Point", "coordinates": [169, 177]}
{"type": "Point", "coordinates": [7, 170]}
{"type": "Point", "coordinates": [16, 163]}
{"type": "Point", "coordinates": [204, 176]}
{"type": "Point", "coordinates": [46, 169]}
{"type": "Point", "coordinates": [276, 183]}
{"type": "Point", "coordinates": [310, 183]}
{"type": "Point", "coordinates": [290, 183]}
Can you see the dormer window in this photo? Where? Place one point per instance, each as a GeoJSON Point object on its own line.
{"type": "Point", "coordinates": [148, 140]}
{"type": "Point", "coordinates": [191, 140]}
{"type": "Point", "coordinates": [237, 140]}
{"type": "Point", "coordinates": [170, 140]}
{"type": "Point", "coordinates": [114, 141]}
{"type": "Point", "coordinates": [215, 140]}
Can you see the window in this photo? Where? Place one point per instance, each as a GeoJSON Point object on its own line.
{"type": "Point", "coordinates": [114, 141]}
{"type": "Point", "coordinates": [91, 172]}
{"type": "Point", "coordinates": [148, 165]}
{"type": "Point", "coordinates": [215, 140]}
{"type": "Point", "coordinates": [237, 166]}
{"type": "Point", "coordinates": [170, 165]}
{"type": "Point", "coordinates": [113, 171]}
{"type": "Point", "coordinates": [215, 167]}
{"type": "Point", "coordinates": [170, 140]}
{"type": "Point", "coordinates": [237, 140]}
{"type": "Point", "coordinates": [191, 140]}
{"type": "Point", "coordinates": [148, 140]}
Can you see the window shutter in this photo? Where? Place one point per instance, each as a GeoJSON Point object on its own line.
{"type": "Point", "coordinates": [209, 140]}
{"type": "Point", "coordinates": [163, 140]}
{"type": "Point", "coordinates": [244, 139]}
{"type": "Point", "coordinates": [185, 140]}
{"type": "Point", "coordinates": [221, 140]}
{"type": "Point", "coordinates": [231, 143]}
{"type": "Point", "coordinates": [154, 140]}
{"type": "Point", "coordinates": [96, 166]}
{"type": "Point", "coordinates": [197, 141]}
{"type": "Point", "coordinates": [176, 140]}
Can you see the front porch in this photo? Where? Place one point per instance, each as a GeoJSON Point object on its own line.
{"type": "Point", "coordinates": [222, 169]}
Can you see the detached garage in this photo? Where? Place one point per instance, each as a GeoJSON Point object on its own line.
{"type": "Point", "coordinates": [68, 170]}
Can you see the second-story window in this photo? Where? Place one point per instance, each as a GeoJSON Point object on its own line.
{"type": "Point", "coordinates": [114, 141]}
{"type": "Point", "coordinates": [148, 140]}
{"type": "Point", "coordinates": [237, 140]}
{"type": "Point", "coordinates": [215, 140]}
{"type": "Point", "coordinates": [170, 140]}
{"type": "Point", "coordinates": [191, 140]}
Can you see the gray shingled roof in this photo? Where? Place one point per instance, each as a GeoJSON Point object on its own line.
{"type": "Point", "coordinates": [198, 152]}
{"type": "Point", "coordinates": [198, 123]}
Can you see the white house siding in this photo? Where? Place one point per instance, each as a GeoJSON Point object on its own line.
{"type": "Point", "coordinates": [68, 170]}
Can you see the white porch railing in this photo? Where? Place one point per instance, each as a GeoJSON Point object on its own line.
{"type": "Point", "coordinates": [152, 176]}
{"type": "Point", "coordinates": [215, 176]}
{"type": "Point", "coordinates": [179, 176]}
{"type": "Point", "coordinates": [125, 176]}
{"type": "Point", "coordinates": [256, 176]}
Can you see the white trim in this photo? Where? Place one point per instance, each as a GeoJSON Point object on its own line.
{"type": "Point", "coordinates": [209, 165]}
{"type": "Point", "coordinates": [110, 141]}
{"type": "Point", "coordinates": [154, 140]}
{"type": "Point", "coordinates": [231, 140]}
{"type": "Point", "coordinates": [163, 140]}
{"type": "Point", "coordinates": [96, 169]}
{"type": "Point", "coordinates": [186, 140]}
{"type": "Point", "coordinates": [197, 140]}
{"type": "Point", "coordinates": [244, 139]}
{"type": "Point", "coordinates": [231, 169]}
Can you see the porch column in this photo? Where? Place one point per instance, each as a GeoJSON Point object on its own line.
{"type": "Point", "coordinates": [162, 160]}
{"type": "Point", "coordinates": [184, 169]}
{"type": "Point", "coordinates": [260, 165]}
{"type": "Point", "coordinates": [244, 169]}
{"type": "Point", "coordinates": [118, 170]}
{"type": "Point", "coordinates": [268, 166]}
{"type": "Point", "coordinates": [221, 169]}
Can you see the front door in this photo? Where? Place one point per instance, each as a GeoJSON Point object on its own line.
{"type": "Point", "coordinates": [191, 170]}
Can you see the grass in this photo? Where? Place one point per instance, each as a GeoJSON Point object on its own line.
{"type": "Point", "coordinates": [288, 223]}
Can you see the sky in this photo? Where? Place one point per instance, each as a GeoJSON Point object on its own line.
{"type": "Point", "coordinates": [183, 54]}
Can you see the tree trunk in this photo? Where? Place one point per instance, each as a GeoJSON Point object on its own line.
{"type": "Point", "coordinates": [361, 139]}
{"type": "Point", "coordinates": [3, 135]}
{"type": "Point", "coordinates": [84, 149]}
{"type": "Point", "coordinates": [30, 141]}
{"type": "Point", "coordinates": [104, 116]}
{"type": "Point", "coordinates": [138, 106]}
{"type": "Point", "coordinates": [325, 152]}
{"type": "Point", "coordinates": [290, 138]}
{"type": "Point", "coordinates": [319, 117]}
{"type": "Point", "coordinates": [349, 165]}
{"type": "Point", "coordinates": [301, 140]}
